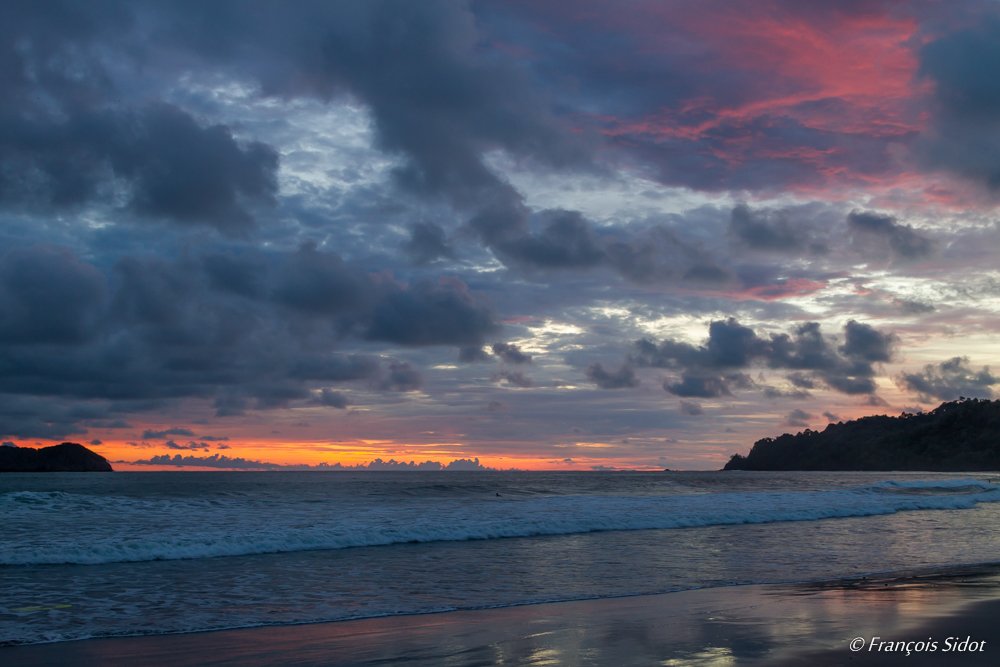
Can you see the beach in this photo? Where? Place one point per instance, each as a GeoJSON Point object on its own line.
{"type": "Point", "coordinates": [781, 624]}
{"type": "Point", "coordinates": [479, 569]}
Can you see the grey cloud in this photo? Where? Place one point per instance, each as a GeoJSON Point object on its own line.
{"type": "Point", "coordinates": [427, 243]}
{"type": "Point", "coordinates": [401, 376]}
{"type": "Point", "coordinates": [691, 408]}
{"type": "Point", "coordinates": [516, 378]}
{"type": "Point", "coordinates": [244, 274]}
{"type": "Point", "coordinates": [470, 355]}
{"type": "Point", "coordinates": [213, 461]}
{"type": "Point", "coordinates": [731, 345]}
{"type": "Point", "coordinates": [319, 283]}
{"type": "Point", "coordinates": [909, 307]}
{"type": "Point", "coordinates": [565, 242]}
{"type": "Point", "coordinates": [698, 386]}
{"type": "Point", "coordinates": [510, 353]}
{"type": "Point", "coordinates": [949, 380]}
{"type": "Point", "coordinates": [966, 131]}
{"type": "Point", "coordinates": [335, 367]}
{"type": "Point", "coordinates": [772, 231]}
{"type": "Point", "coordinates": [832, 417]}
{"type": "Point", "coordinates": [862, 341]}
{"type": "Point", "coordinates": [176, 169]}
{"type": "Point", "coordinates": [332, 399]}
{"type": "Point", "coordinates": [775, 392]}
{"type": "Point", "coordinates": [622, 378]}
{"type": "Point", "coordinates": [150, 434]}
{"type": "Point", "coordinates": [798, 418]}
{"type": "Point", "coordinates": [47, 295]}
{"type": "Point", "coordinates": [442, 313]}
{"type": "Point", "coordinates": [902, 240]}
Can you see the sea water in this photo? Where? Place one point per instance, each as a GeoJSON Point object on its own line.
{"type": "Point", "coordinates": [95, 555]}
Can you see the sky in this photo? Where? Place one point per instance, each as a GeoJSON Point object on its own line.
{"type": "Point", "coordinates": [563, 235]}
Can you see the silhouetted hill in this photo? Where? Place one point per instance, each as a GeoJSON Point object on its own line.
{"type": "Point", "coordinates": [67, 457]}
{"type": "Point", "coordinates": [963, 435]}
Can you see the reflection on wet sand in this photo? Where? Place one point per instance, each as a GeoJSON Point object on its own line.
{"type": "Point", "coordinates": [793, 624]}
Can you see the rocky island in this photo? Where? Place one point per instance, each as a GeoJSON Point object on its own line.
{"type": "Point", "coordinates": [67, 457]}
{"type": "Point", "coordinates": [962, 435]}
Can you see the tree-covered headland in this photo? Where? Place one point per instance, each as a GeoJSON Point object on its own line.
{"type": "Point", "coordinates": [962, 435]}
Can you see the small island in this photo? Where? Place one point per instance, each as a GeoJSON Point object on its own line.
{"type": "Point", "coordinates": [66, 457]}
{"type": "Point", "coordinates": [962, 435]}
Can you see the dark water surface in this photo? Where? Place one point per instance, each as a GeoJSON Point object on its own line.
{"type": "Point", "coordinates": [85, 555]}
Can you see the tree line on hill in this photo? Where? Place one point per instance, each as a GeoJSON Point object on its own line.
{"type": "Point", "coordinates": [962, 435]}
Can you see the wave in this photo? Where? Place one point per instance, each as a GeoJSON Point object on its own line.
{"type": "Point", "coordinates": [58, 527]}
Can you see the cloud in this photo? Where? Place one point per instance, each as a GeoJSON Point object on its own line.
{"type": "Point", "coordinates": [162, 435]}
{"type": "Point", "coordinates": [442, 313]}
{"type": "Point", "coordinates": [170, 444]}
{"type": "Point", "coordinates": [903, 242]}
{"type": "Point", "coordinates": [832, 417]}
{"type": "Point", "coordinates": [213, 461]}
{"type": "Point", "coordinates": [966, 132]}
{"type": "Point", "coordinates": [948, 381]}
{"type": "Point", "coordinates": [511, 353]}
{"type": "Point", "coordinates": [175, 169]}
{"type": "Point", "coordinates": [772, 231]}
{"type": "Point", "coordinates": [401, 376]}
{"type": "Point", "coordinates": [798, 418]}
{"type": "Point", "coordinates": [427, 243]}
{"type": "Point", "coordinates": [515, 378]}
{"type": "Point", "coordinates": [471, 355]}
{"type": "Point", "coordinates": [691, 408]}
{"type": "Point", "coordinates": [622, 378]}
{"type": "Point", "coordinates": [332, 399]}
{"type": "Point", "coordinates": [47, 295]}
{"type": "Point", "coordinates": [565, 242]}
{"type": "Point", "coordinates": [731, 345]}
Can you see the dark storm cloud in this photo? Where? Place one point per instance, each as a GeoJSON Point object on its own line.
{"type": "Point", "coordinates": [730, 345]}
{"type": "Point", "coordinates": [180, 328]}
{"type": "Point", "coordinates": [622, 378]}
{"type": "Point", "coordinates": [319, 283]}
{"type": "Point", "coordinates": [861, 341]}
{"type": "Point", "coordinates": [332, 399]}
{"type": "Point", "coordinates": [949, 380]}
{"type": "Point", "coordinates": [772, 230]}
{"type": "Point", "coordinates": [335, 367]}
{"type": "Point", "coordinates": [966, 137]}
{"type": "Point", "coordinates": [564, 242]}
{"type": "Point", "coordinates": [427, 243]}
{"type": "Point", "coordinates": [902, 241]}
{"type": "Point", "coordinates": [511, 353]}
{"type": "Point", "coordinates": [432, 313]}
{"type": "Point", "coordinates": [175, 169]}
{"type": "Point", "coordinates": [48, 296]}
{"type": "Point", "coordinates": [401, 376]}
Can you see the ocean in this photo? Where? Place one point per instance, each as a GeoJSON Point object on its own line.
{"type": "Point", "coordinates": [136, 553]}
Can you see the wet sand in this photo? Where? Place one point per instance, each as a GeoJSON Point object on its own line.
{"type": "Point", "coordinates": [788, 625]}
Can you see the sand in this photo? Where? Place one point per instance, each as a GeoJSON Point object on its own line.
{"type": "Point", "coordinates": [782, 624]}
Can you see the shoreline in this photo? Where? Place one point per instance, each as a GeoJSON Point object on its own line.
{"type": "Point", "coordinates": [748, 624]}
